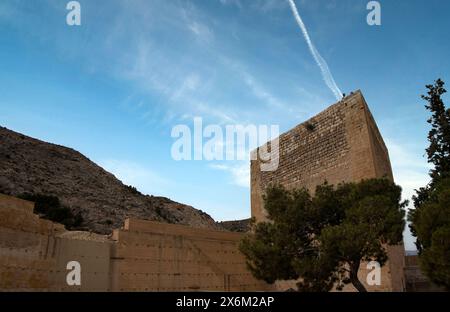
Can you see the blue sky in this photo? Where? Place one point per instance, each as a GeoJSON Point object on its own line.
{"type": "Point", "coordinates": [114, 87]}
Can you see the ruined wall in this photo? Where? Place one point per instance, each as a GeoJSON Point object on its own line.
{"type": "Point", "coordinates": [144, 256]}
{"type": "Point", "coordinates": [166, 257]}
{"type": "Point", "coordinates": [340, 144]}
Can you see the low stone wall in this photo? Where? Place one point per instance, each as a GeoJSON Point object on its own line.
{"type": "Point", "coordinates": [143, 256]}
{"type": "Point", "coordinates": [416, 281]}
{"type": "Point", "coordinates": [166, 257]}
{"type": "Point", "coordinates": [34, 254]}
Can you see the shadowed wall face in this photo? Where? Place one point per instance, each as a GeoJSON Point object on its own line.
{"type": "Point", "coordinates": [340, 144]}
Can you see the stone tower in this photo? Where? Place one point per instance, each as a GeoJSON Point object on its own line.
{"type": "Point", "coordinates": [340, 144]}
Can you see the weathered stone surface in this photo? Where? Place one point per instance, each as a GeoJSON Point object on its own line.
{"type": "Point", "coordinates": [344, 145]}
{"type": "Point", "coordinates": [168, 257]}
{"type": "Point", "coordinates": [340, 144]}
{"type": "Point", "coordinates": [143, 256]}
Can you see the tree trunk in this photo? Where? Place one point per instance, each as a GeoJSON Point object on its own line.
{"type": "Point", "coordinates": [354, 268]}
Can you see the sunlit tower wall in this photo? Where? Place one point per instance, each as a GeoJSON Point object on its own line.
{"type": "Point", "coordinates": [340, 144]}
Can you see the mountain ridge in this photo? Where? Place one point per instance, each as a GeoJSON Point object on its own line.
{"type": "Point", "coordinates": [29, 165]}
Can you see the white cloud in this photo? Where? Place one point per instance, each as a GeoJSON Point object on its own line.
{"type": "Point", "coordinates": [260, 92]}
{"type": "Point", "coordinates": [269, 5]}
{"type": "Point", "coordinates": [201, 31]}
{"type": "Point", "coordinates": [172, 78]}
{"type": "Point", "coordinates": [254, 86]}
{"type": "Point", "coordinates": [410, 172]}
{"type": "Point", "coordinates": [325, 70]}
{"type": "Point", "coordinates": [144, 179]}
{"type": "Point", "coordinates": [213, 111]}
{"type": "Point", "coordinates": [409, 168]}
{"type": "Point", "coordinates": [260, 5]}
{"type": "Point", "coordinates": [240, 173]}
{"type": "Point", "coordinates": [189, 85]}
{"type": "Point", "coordinates": [232, 2]}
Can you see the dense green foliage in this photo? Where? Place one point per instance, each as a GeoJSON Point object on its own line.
{"type": "Point", "coordinates": [321, 240]}
{"type": "Point", "coordinates": [50, 208]}
{"type": "Point", "coordinates": [430, 218]}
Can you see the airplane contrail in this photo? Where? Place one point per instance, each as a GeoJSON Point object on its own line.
{"type": "Point", "coordinates": [326, 73]}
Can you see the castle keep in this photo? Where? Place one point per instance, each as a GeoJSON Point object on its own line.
{"type": "Point", "coordinates": [340, 144]}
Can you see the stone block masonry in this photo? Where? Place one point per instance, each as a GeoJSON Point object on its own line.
{"type": "Point", "coordinates": [143, 256]}
{"type": "Point", "coordinates": [166, 257]}
{"type": "Point", "coordinates": [34, 253]}
{"type": "Point", "coordinates": [340, 144]}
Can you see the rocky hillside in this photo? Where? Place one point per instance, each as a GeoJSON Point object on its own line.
{"type": "Point", "coordinates": [32, 166]}
{"type": "Point", "coordinates": [241, 226]}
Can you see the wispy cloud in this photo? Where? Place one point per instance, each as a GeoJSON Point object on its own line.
{"type": "Point", "coordinates": [240, 172]}
{"type": "Point", "coordinates": [190, 84]}
{"type": "Point", "coordinates": [260, 92]}
{"type": "Point", "coordinates": [410, 172]}
{"type": "Point", "coordinates": [174, 71]}
{"type": "Point", "coordinates": [173, 59]}
{"type": "Point", "coordinates": [130, 173]}
{"type": "Point", "coordinates": [409, 168]}
{"type": "Point", "coordinates": [325, 70]}
{"type": "Point", "coordinates": [261, 5]}
{"type": "Point", "coordinates": [231, 2]}
{"type": "Point", "coordinates": [201, 31]}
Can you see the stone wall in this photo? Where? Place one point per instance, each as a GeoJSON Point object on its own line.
{"type": "Point", "coordinates": [166, 257]}
{"type": "Point", "coordinates": [143, 256]}
{"type": "Point", "coordinates": [34, 254]}
{"type": "Point", "coordinates": [416, 281]}
{"type": "Point", "coordinates": [340, 144]}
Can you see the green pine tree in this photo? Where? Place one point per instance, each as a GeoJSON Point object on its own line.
{"type": "Point", "coordinates": [322, 240]}
{"type": "Point", "coordinates": [430, 218]}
